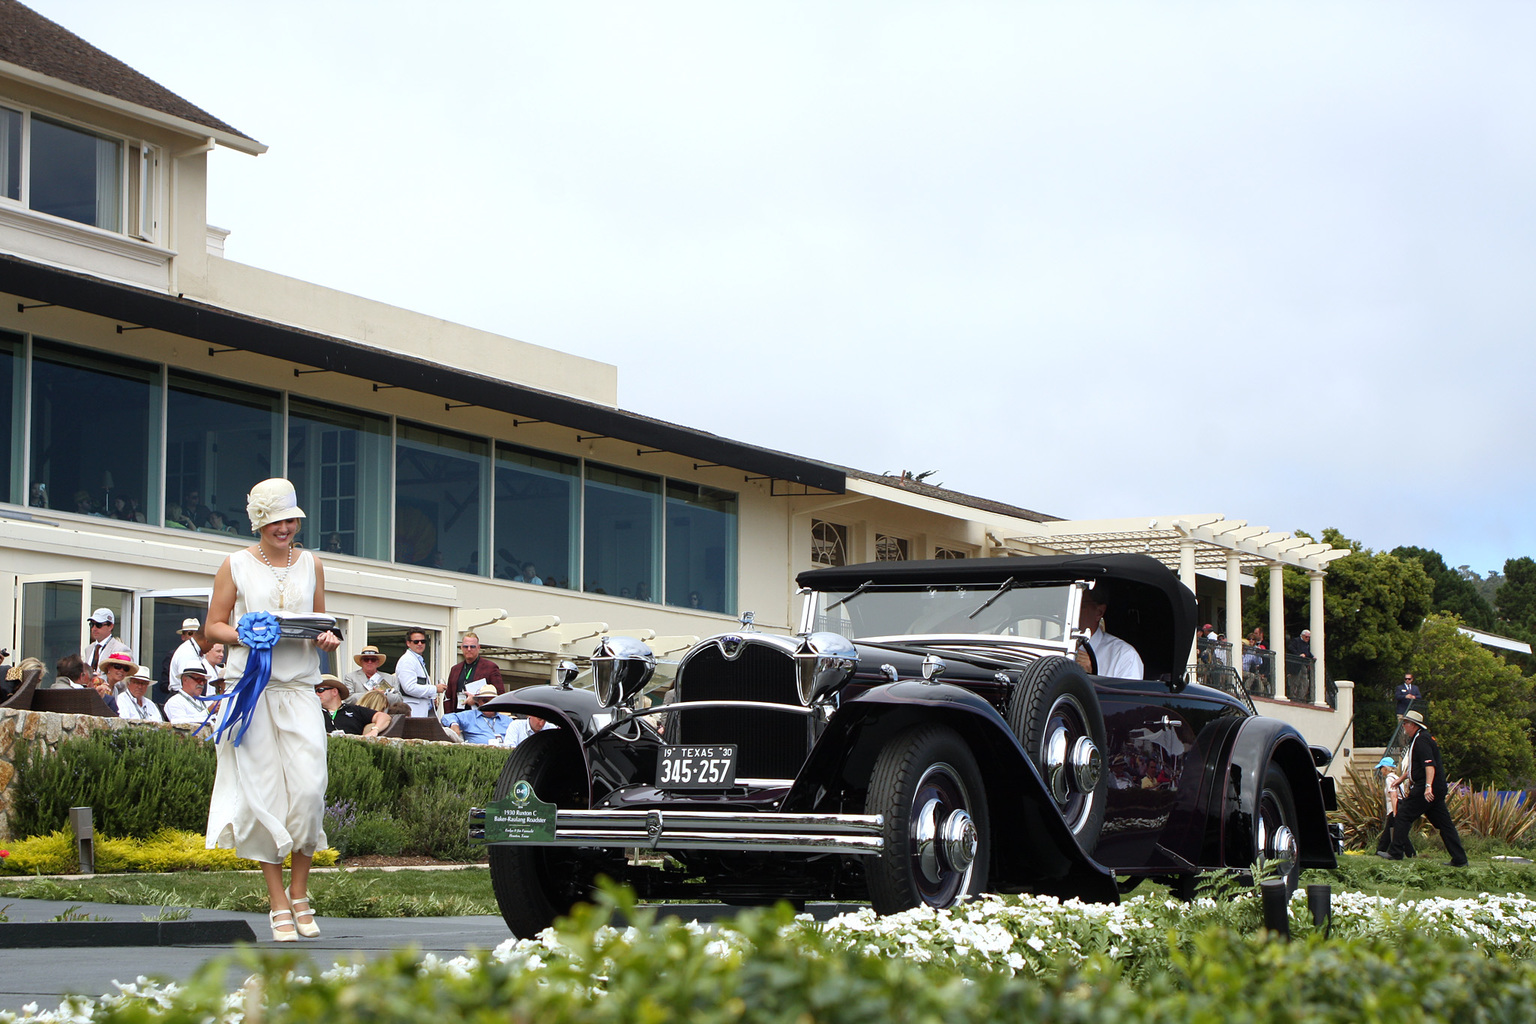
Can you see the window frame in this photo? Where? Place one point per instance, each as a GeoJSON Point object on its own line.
{"type": "Point", "coordinates": [138, 176]}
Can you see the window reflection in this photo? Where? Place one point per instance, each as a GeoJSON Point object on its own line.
{"type": "Point", "coordinates": [12, 401]}
{"type": "Point", "coordinates": [623, 533]}
{"type": "Point", "coordinates": [219, 441]}
{"type": "Point", "coordinates": [95, 421]}
{"type": "Point", "coordinates": [10, 153]}
{"type": "Point", "coordinates": [76, 174]}
{"type": "Point", "coordinates": [438, 484]}
{"type": "Point", "coordinates": [537, 516]}
{"type": "Point", "coordinates": [701, 547]}
{"type": "Point", "coordinates": [339, 461]}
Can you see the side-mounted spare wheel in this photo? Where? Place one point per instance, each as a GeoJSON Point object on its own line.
{"type": "Point", "coordinates": [1055, 715]}
{"type": "Point", "coordinates": [937, 832]}
{"type": "Point", "coordinates": [534, 885]}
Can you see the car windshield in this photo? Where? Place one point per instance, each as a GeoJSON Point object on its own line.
{"type": "Point", "coordinates": [1007, 609]}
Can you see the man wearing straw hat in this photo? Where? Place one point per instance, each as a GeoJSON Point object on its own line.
{"type": "Point", "coordinates": [1427, 797]}
{"type": "Point", "coordinates": [370, 674]}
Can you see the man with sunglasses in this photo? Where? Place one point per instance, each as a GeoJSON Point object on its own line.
{"type": "Point", "coordinates": [411, 676]}
{"type": "Point", "coordinates": [338, 715]}
{"type": "Point", "coordinates": [103, 643]}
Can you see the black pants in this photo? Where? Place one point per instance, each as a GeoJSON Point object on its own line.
{"type": "Point", "coordinates": [1385, 842]}
{"type": "Point", "coordinates": [1414, 806]}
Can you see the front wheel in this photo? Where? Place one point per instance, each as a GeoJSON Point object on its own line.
{"type": "Point", "coordinates": [937, 832]}
{"type": "Point", "coordinates": [536, 884]}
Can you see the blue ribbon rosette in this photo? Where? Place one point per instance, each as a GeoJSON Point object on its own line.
{"type": "Point", "coordinates": [259, 631]}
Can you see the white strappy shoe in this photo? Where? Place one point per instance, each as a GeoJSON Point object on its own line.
{"type": "Point", "coordinates": [303, 917]}
{"type": "Point", "coordinates": [282, 922]}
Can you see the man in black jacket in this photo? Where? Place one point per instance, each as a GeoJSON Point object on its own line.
{"type": "Point", "coordinates": [1427, 798]}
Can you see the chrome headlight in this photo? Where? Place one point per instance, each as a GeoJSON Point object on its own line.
{"type": "Point", "coordinates": [621, 666]}
{"type": "Point", "coordinates": [823, 663]}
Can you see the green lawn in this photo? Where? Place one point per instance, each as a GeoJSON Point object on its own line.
{"type": "Point", "coordinates": [373, 893]}
{"type": "Point", "coordinates": [360, 893]}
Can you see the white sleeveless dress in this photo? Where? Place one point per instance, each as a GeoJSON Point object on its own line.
{"type": "Point", "coordinates": [269, 792]}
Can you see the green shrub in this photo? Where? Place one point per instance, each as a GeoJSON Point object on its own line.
{"type": "Point", "coordinates": [663, 970]}
{"type": "Point", "coordinates": [400, 797]}
{"type": "Point", "coordinates": [137, 781]}
{"type": "Point", "coordinates": [167, 850]}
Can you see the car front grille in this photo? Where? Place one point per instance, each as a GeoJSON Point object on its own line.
{"type": "Point", "coordinates": [770, 745]}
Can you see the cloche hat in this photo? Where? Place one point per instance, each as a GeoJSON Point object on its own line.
{"type": "Point", "coordinates": [272, 501]}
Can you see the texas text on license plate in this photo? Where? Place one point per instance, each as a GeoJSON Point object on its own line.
{"type": "Point", "coordinates": [711, 767]}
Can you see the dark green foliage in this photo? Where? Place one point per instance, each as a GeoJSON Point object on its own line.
{"type": "Point", "coordinates": [661, 971]}
{"type": "Point", "coordinates": [399, 798]}
{"type": "Point", "coordinates": [1516, 601]}
{"type": "Point", "coordinates": [137, 781]}
{"type": "Point", "coordinates": [1454, 593]}
{"type": "Point", "coordinates": [1479, 706]}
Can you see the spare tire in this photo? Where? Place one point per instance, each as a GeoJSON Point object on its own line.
{"type": "Point", "coordinates": [1055, 714]}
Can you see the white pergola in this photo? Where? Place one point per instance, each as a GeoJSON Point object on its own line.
{"type": "Point", "coordinates": [1189, 544]}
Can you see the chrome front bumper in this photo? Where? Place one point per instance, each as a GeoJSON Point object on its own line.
{"type": "Point", "coordinates": [708, 830]}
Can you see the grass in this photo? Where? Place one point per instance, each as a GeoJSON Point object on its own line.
{"type": "Point", "coordinates": [360, 893]}
{"type": "Point", "coordinates": [407, 893]}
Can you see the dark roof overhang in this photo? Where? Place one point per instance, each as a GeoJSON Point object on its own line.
{"type": "Point", "coordinates": [188, 318]}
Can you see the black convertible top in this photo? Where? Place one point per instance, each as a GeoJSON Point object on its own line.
{"type": "Point", "coordinates": [1149, 606]}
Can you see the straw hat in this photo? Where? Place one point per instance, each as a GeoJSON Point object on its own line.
{"type": "Point", "coordinates": [367, 652]}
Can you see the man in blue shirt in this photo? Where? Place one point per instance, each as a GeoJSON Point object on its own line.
{"type": "Point", "coordinates": [478, 725]}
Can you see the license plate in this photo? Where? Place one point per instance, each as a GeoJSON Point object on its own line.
{"type": "Point", "coordinates": [696, 767]}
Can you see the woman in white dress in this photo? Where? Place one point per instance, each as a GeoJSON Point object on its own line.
{"type": "Point", "coordinates": [269, 791]}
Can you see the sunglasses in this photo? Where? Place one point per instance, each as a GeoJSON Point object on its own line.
{"type": "Point", "coordinates": [322, 689]}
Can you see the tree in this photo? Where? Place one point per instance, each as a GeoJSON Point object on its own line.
{"type": "Point", "coordinates": [1517, 596]}
{"type": "Point", "coordinates": [1479, 706]}
{"type": "Point", "coordinates": [1373, 606]}
{"type": "Point", "coordinates": [1454, 593]}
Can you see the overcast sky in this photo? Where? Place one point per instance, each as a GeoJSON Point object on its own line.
{"type": "Point", "coordinates": [1274, 261]}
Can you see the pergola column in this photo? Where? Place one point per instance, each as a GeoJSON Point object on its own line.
{"type": "Point", "coordinates": [1319, 689]}
{"type": "Point", "coordinates": [1277, 626]}
{"type": "Point", "coordinates": [1234, 611]}
{"type": "Point", "coordinates": [1187, 577]}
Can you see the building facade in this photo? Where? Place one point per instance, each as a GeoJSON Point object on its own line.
{"type": "Point", "coordinates": [453, 478]}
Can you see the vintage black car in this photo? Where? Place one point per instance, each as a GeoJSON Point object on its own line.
{"type": "Point", "coordinates": [929, 734]}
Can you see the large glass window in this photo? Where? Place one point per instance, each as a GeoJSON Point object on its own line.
{"type": "Point", "coordinates": [10, 153]}
{"type": "Point", "coordinates": [219, 441]}
{"type": "Point", "coordinates": [339, 462]}
{"type": "Point", "coordinates": [76, 174]}
{"type": "Point", "coordinates": [95, 433]}
{"type": "Point", "coordinates": [439, 481]}
{"type": "Point", "coordinates": [538, 515]}
{"type": "Point", "coordinates": [623, 532]}
{"type": "Point", "coordinates": [701, 547]}
{"type": "Point", "coordinates": [11, 404]}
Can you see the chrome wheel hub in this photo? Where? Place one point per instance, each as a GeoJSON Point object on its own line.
{"type": "Point", "coordinates": [945, 840]}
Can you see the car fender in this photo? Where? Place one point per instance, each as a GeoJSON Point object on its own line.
{"type": "Point", "coordinates": [575, 711]}
{"type": "Point", "coordinates": [1260, 742]}
{"type": "Point", "coordinates": [1033, 849]}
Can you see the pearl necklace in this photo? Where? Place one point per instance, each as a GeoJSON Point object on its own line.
{"type": "Point", "coordinates": [282, 577]}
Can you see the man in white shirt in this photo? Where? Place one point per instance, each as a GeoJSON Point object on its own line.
{"type": "Point", "coordinates": [416, 687]}
{"type": "Point", "coordinates": [1116, 658]}
{"type": "Point", "coordinates": [134, 703]}
{"type": "Point", "coordinates": [183, 707]}
{"type": "Point", "coordinates": [103, 643]}
{"type": "Point", "coordinates": [188, 655]}
{"type": "Point", "coordinates": [522, 728]}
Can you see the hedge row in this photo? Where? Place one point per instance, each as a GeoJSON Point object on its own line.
{"type": "Point", "coordinates": [168, 850]}
{"type": "Point", "coordinates": [141, 781]}
{"type": "Point", "coordinates": [665, 971]}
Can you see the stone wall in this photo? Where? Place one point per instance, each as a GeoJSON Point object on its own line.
{"type": "Point", "coordinates": [51, 730]}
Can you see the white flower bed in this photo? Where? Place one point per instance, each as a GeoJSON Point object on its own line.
{"type": "Point", "coordinates": [1015, 934]}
